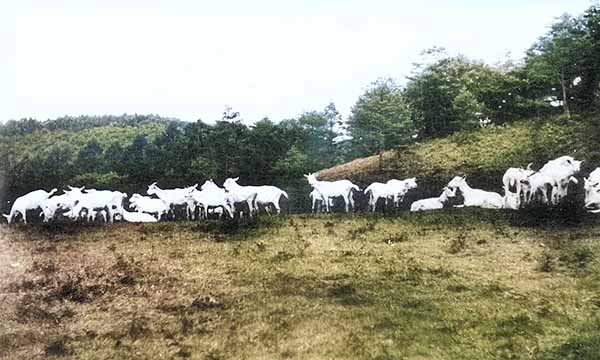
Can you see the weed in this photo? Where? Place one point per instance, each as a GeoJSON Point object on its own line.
{"type": "Point", "coordinates": [581, 347]}
{"type": "Point", "coordinates": [72, 288]}
{"type": "Point", "coordinates": [183, 352]}
{"type": "Point", "coordinates": [261, 246]}
{"type": "Point", "coordinates": [458, 243]}
{"type": "Point", "coordinates": [577, 258]}
{"type": "Point", "coordinates": [128, 271]}
{"type": "Point", "coordinates": [521, 324]}
{"type": "Point", "coordinates": [396, 238]}
{"type": "Point", "coordinates": [30, 309]}
{"type": "Point", "coordinates": [58, 347]}
{"type": "Point", "coordinates": [282, 256]}
{"type": "Point", "coordinates": [205, 302]}
{"type": "Point", "coordinates": [186, 325]}
{"type": "Point", "coordinates": [138, 328]}
{"type": "Point", "coordinates": [361, 231]}
{"type": "Point", "coordinates": [546, 262]}
{"type": "Point", "coordinates": [46, 266]}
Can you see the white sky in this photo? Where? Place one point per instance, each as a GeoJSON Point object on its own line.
{"type": "Point", "coordinates": [188, 59]}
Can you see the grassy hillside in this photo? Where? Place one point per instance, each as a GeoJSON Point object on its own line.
{"type": "Point", "coordinates": [459, 284]}
{"type": "Point", "coordinates": [482, 155]}
{"type": "Point", "coordinates": [40, 142]}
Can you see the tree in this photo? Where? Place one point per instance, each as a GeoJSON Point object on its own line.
{"type": "Point", "coordinates": [318, 132]}
{"type": "Point", "coordinates": [90, 158]}
{"type": "Point", "coordinates": [139, 159]}
{"type": "Point", "coordinates": [565, 59]}
{"type": "Point", "coordinates": [380, 119]}
{"type": "Point", "coordinates": [455, 93]}
{"type": "Point", "coordinates": [591, 79]}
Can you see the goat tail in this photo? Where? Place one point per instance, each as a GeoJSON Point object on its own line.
{"type": "Point", "coordinates": [285, 195]}
{"type": "Point", "coordinates": [355, 187]}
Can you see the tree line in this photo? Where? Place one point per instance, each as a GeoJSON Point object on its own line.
{"type": "Point", "coordinates": [560, 74]}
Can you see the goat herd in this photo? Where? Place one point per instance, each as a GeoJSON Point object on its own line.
{"type": "Point", "coordinates": [546, 186]}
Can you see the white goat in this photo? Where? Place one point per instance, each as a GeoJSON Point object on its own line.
{"type": "Point", "coordinates": [172, 197]}
{"type": "Point", "coordinates": [399, 188]}
{"type": "Point", "coordinates": [512, 185]}
{"type": "Point", "coordinates": [511, 200]}
{"type": "Point", "coordinates": [51, 205]}
{"type": "Point", "coordinates": [148, 205]}
{"type": "Point", "coordinates": [111, 201]}
{"type": "Point", "coordinates": [266, 195]}
{"type": "Point", "coordinates": [30, 201]}
{"type": "Point", "coordinates": [561, 170]}
{"type": "Point", "coordinates": [333, 189]}
{"type": "Point", "coordinates": [376, 191]}
{"type": "Point", "coordinates": [210, 196]}
{"type": "Point", "coordinates": [241, 195]}
{"type": "Point", "coordinates": [591, 185]}
{"type": "Point", "coordinates": [433, 203]}
{"type": "Point", "coordinates": [476, 197]}
{"type": "Point", "coordinates": [138, 217]}
{"type": "Point", "coordinates": [317, 201]}
{"type": "Point", "coordinates": [71, 198]}
{"type": "Point", "coordinates": [537, 187]}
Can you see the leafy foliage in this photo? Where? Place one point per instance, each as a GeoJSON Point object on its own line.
{"type": "Point", "coordinates": [380, 119]}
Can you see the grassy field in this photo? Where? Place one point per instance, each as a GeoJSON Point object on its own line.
{"type": "Point", "coordinates": [459, 284]}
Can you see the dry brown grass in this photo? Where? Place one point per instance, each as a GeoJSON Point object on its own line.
{"type": "Point", "coordinates": [330, 287]}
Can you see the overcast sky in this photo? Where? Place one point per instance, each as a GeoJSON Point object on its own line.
{"type": "Point", "coordinates": [189, 59]}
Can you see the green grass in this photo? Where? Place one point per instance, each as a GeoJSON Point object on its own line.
{"type": "Point", "coordinates": [459, 284]}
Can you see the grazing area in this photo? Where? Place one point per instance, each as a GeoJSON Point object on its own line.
{"type": "Point", "coordinates": [452, 284]}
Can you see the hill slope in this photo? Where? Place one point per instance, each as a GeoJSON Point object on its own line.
{"type": "Point", "coordinates": [484, 155]}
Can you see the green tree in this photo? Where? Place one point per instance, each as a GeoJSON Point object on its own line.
{"type": "Point", "coordinates": [564, 63]}
{"type": "Point", "coordinates": [455, 93]}
{"type": "Point", "coordinates": [380, 119]}
{"type": "Point", "coordinates": [90, 158]}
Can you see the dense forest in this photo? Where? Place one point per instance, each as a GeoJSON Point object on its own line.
{"type": "Point", "coordinates": [559, 75]}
